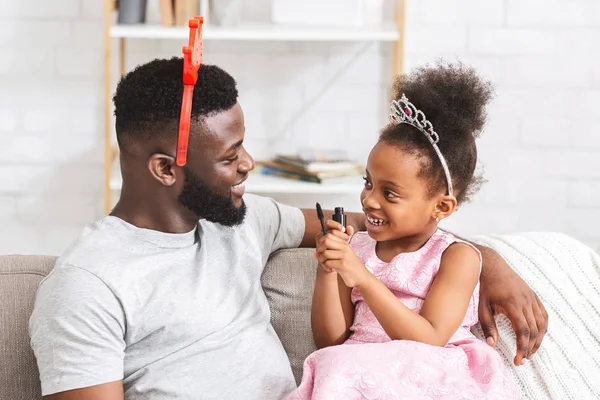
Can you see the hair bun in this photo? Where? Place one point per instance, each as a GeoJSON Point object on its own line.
{"type": "Point", "coordinates": [452, 96]}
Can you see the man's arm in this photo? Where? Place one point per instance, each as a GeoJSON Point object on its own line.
{"type": "Point", "coordinates": [77, 333]}
{"type": "Point", "coordinates": [313, 226]}
{"type": "Point", "coordinates": [107, 391]}
{"type": "Point", "coordinates": [502, 291]}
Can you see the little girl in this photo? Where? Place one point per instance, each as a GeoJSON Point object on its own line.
{"type": "Point", "coordinates": [393, 306]}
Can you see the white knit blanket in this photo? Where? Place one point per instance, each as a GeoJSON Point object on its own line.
{"type": "Point", "coordinates": [565, 274]}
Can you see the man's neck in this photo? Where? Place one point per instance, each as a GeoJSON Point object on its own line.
{"type": "Point", "coordinates": [154, 213]}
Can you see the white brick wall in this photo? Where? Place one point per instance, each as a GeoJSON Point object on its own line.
{"type": "Point", "coordinates": [541, 148]}
{"type": "Point", "coordinates": [50, 122]}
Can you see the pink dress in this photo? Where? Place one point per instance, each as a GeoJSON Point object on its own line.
{"type": "Point", "coordinates": [369, 365]}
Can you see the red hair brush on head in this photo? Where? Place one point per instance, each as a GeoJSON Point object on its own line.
{"type": "Point", "coordinates": [192, 59]}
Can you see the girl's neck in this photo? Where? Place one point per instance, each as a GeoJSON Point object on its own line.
{"type": "Point", "coordinates": [389, 249]}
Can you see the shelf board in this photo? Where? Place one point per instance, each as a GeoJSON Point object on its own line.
{"type": "Point", "coordinates": [257, 183]}
{"type": "Point", "coordinates": [273, 33]}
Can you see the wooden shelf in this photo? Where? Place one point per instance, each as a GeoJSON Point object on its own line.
{"type": "Point", "coordinates": [392, 32]}
{"type": "Point", "coordinates": [260, 184]}
{"type": "Point", "coordinates": [257, 183]}
{"type": "Point", "coordinates": [272, 33]}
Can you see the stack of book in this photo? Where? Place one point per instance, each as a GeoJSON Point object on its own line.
{"type": "Point", "coordinates": [179, 12]}
{"type": "Point", "coordinates": [308, 168]}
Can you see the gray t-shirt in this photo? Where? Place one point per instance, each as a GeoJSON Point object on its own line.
{"type": "Point", "coordinates": [175, 316]}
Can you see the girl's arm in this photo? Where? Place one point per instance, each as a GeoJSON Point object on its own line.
{"type": "Point", "coordinates": [445, 305]}
{"type": "Point", "coordinates": [332, 309]}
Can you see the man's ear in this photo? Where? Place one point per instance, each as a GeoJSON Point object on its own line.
{"type": "Point", "coordinates": [162, 168]}
{"type": "Point", "coordinates": [445, 207]}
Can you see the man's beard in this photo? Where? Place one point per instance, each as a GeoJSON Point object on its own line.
{"type": "Point", "coordinates": [199, 198]}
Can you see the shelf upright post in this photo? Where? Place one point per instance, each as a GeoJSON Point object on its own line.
{"type": "Point", "coordinates": [122, 59]}
{"type": "Point", "coordinates": [108, 156]}
{"type": "Point", "coordinates": [399, 44]}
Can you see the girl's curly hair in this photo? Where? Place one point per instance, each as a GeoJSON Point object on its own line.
{"type": "Point", "coordinates": [453, 98]}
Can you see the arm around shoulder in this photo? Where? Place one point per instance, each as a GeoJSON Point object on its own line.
{"type": "Point", "coordinates": [276, 225]}
{"type": "Point", "coordinates": [77, 331]}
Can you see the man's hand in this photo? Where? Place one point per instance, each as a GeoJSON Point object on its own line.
{"type": "Point", "coordinates": [502, 291]}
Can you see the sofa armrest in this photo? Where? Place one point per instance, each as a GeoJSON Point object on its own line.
{"type": "Point", "coordinates": [19, 279]}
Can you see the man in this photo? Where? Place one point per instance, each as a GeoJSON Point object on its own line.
{"type": "Point", "coordinates": [162, 298]}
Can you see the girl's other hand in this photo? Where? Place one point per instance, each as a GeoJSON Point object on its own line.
{"type": "Point", "coordinates": [336, 229]}
{"type": "Point", "coordinates": [335, 254]}
{"type": "Point", "coordinates": [333, 226]}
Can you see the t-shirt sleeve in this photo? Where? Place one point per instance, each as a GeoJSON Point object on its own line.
{"type": "Point", "coordinates": [277, 226]}
{"type": "Point", "coordinates": [77, 331]}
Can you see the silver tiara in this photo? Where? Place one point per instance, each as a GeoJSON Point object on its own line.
{"type": "Point", "coordinates": [404, 112]}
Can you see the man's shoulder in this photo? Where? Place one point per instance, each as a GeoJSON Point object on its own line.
{"type": "Point", "coordinates": [78, 269]}
{"type": "Point", "coordinates": [255, 202]}
{"type": "Point", "coordinates": [261, 208]}
{"type": "Point", "coordinates": [98, 245]}
{"type": "Point", "coordinates": [276, 225]}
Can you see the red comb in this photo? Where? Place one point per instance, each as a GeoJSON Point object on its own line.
{"type": "Point", "coordinates": [192, 59]}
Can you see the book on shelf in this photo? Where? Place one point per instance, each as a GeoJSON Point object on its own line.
{"type": "Point", "coordinates": [317, 160]}
{"type": "Point", "coordinates": [268, 171]}
{"type": "Point", "coordinates": [315, 166]}
{"type": "Point", "coordinates": [183, 10]}
{"type": "Point", "coordinates": [310, 154]}
{"type": "Point", "coordinates": [296, 171]}
{"type": "Point", "coordinates": [167, 12]}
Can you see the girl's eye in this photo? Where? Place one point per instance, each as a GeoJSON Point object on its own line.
{"type": "Point", "coordinates": [367, 183]}
{"type": "Point", "coordinates": [390, 195]}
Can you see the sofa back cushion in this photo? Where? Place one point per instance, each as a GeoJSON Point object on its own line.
{"type": "Point", "coordinates": [562, 368]}
{"type": "Point", "coordinates": [19, 279]}
{"type": "Point", "coordinates": [288, 280]}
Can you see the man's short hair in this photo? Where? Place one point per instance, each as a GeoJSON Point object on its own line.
{"type": "Point", "coordinates": [148, 99]}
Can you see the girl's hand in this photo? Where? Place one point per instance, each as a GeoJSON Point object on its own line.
{"type": "Point", "coordinates": [332, 227]}
{"type": "Point", "coordinates": [335, 254]}
{"type": "Point", "coordinates": [321, 267]}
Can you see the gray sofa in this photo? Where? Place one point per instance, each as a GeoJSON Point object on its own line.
{"type": "Point", "coordinates": [561, 365]}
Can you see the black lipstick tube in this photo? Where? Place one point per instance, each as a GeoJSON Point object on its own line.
{"type": "Point", "coordinates": [339, 216]}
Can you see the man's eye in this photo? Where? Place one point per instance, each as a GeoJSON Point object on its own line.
{"type": "Point", "coordinates": [230, 160]}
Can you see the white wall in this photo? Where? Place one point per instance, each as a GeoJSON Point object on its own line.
{"type": "Point", "coordinates": [50, 122]}
{"type": "Point", "coordinates": [541, 148]}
